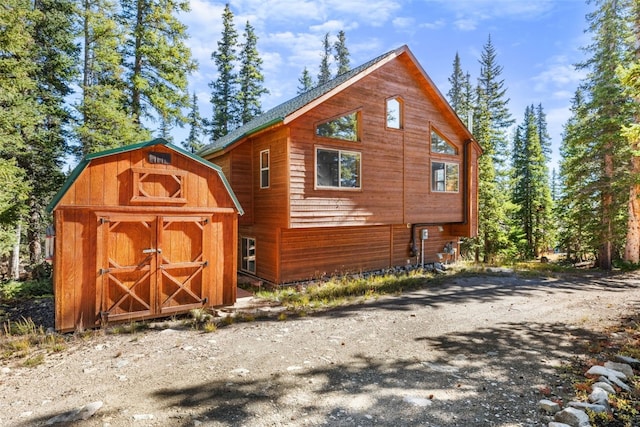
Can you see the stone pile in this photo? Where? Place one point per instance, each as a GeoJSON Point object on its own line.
{"type": "Point", "coordinates": [611, 376]}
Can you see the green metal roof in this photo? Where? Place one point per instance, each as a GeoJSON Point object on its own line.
{"type": "Point", "coordinates": [279, 113]}
{"type": "Point", "coordinates": [158, 141]}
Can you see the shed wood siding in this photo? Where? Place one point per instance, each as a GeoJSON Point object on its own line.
{"type": "Point", "coordinates": [193, 220]}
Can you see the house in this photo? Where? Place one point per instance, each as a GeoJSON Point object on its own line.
{"type": "Point", "coordinates": [142, 231]}
{"type": "Point", "coordinates": [352, 175]}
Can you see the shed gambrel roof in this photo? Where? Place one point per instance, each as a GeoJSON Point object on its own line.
{"type": "Point", "coordinates": [86, 160]}
{"type": "Point", "coordinates": [288, 111]}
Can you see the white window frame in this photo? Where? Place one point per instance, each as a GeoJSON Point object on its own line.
{"type": "Point", "coordinates": [400, 119]}
{"type": "Point", "coordinates": [265, 169]}
{"type": "Point", "coordinates": [339, 186]}
{"type": "Point", "coordinates": [248, 254]}
{"type": "Point", "coordinates": [445, 174]}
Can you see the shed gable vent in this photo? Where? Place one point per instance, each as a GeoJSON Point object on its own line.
{"type": "Point", "coordinates": [159, 158]}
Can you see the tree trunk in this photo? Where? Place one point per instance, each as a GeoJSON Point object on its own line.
{"type": "Point", "coordinates": [15, 256]}
{"type": "Point", "coordinates": [604, 257]}
{"type": "Point", "coordinates": [632, 247]}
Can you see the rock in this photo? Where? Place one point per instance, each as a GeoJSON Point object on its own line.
{"type": "Point", "coordinates": [241, 372]}
{"type": "Point", "coordinates": [606, 372]}
{"type": "Point", "coordinates": [621, 367]}
{"type": "Point", "coordinates": [554, 424]}
{"type": "Point", "coordinates": [606, 386]}
{"type": "Point", "coordinates": [598, 395]}
{"type": "Point", "coordinates": [592, 406]}
{"type": "Point", "coordinates": [572, 416]}
{"type": "Point", "coordinates": [142, 417]}
{"type": "Point", "coordinates": [549, 406]}
{"type": "Point", "coordinates": [417, 401]}
{"type": "Point", "coordinates": [72, 416]}
{"type": "Point", "coordinates": [619, 383]}
{"type": "Point", "coordinates": [629, 360]}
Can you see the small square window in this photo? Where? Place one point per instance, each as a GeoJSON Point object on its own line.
{"type": "Point", "coordinates": [445, 177]}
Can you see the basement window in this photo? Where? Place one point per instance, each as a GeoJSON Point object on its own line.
{"type": "Point", "coordinates": [248, 263]}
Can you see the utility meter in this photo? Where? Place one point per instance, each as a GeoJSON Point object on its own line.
{"type": "Point", "coordinates": [425, 234]}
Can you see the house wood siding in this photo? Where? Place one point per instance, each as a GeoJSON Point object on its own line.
{"type": "Point", "coordinates": [119, 209]}
{"type": "Point", "coordinates": [303, 231]}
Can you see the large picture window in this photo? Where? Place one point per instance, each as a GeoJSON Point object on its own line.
{"type": "Point", "coordinates": [248, 262]}
{"type": "Point", "coordinates": [344, 127]}
{"type": "Point", "coordinates": [445, 177]}
{"type": "Point", "coordinates": [337, 168]}
{"type": "Point", "coordinates": [440, 145]}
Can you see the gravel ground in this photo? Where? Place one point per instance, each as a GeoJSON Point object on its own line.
{"type": "Point", "coordinates": [470, 351]}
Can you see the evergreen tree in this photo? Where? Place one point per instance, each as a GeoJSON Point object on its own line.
{"type": "Point", "coordinates": [250, 78]}
{"type": "Point", "coordinates": [104, 119]}
{"type": "Point", "coordinates": [491, 119]}
{"type": "Point", "coordinates": [629, 75]}
{"type": "Point", "coordinates": [459, 93]}
{"type": "Point", "coordinates": [306, 81]}
{"type": "Point", "coordinates": [579, 173]}
{"type": "Point", "coordinates": [55, 55]}
{"type": "Point", "coordinates": [341, 53]}
{"type": "Point", "coordinates": [158, 60]}
{"type": "Point", "coordinates": [604, 111]}
{"type": "Point", "coordinates": [531, 192]}
{"type": "Point", "coordinates": [324, 75]}
{"type": "Point", "coordinates": [194, 142]}
{"type": "Point", "coordinates": [224, 88]}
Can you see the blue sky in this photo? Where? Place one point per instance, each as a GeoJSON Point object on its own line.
{"type": "Point", "coordinates": [537, 43]}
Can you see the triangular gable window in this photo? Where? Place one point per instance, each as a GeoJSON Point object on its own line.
{"type": "Point", "coordinates": [344, 127]}
{"type": "Point", "coordinates": [441, 145]}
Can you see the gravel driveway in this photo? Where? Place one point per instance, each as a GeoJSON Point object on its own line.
{"type": "Point", "coordinates": [469, 351]}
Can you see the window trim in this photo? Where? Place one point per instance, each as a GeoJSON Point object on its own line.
{"type": "Point", "coordinates": [446, 140]}
{"type": "Point", "coordinates": [400, 111]}
{"type": "Point", "coordinates": [357, 112]}
{"type": "Point", "coordinates": [433, 181]}
{"type": "Point", "coordinates": [266, 169]}
{"type": "Point", "coordinates": [245, 257]}
{"type": "Point", "coordinates": [339, 187]}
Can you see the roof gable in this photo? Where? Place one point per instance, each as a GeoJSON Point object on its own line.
{"type": "Point", "coordinates": [77, 171]}
{"type": "Point", "coordinates": [295, 107]}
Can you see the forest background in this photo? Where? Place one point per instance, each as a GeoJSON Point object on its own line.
{"type": "Point", "coordinates": [78, 77]}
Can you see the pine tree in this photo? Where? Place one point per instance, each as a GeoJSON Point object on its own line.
{"type": "Point", "coordinates": [194, 142]}
{"type": "Point", "coordinates": [531, 192]}
{"type": "Point", "coordinates": [324, 74]}
{"type": "Point", "coordinates": [490, 123]}
{"type": "Point", "coordinates": [341, 53]}
{"type": "Point", "coordinates": [629, 75]}
{"type": "Point", "coordinates": [158, 59]}
{"type": "Point", "coordinates": [250, 78]}
{"type": "Point", "coordinates": [306, 81]}
{"type": "Point", "coordinates": [605, 111]}
{"type": "Point", "coordinates": [104, 116]}
{"type": "Point", "coordinates": [579, 170]}
{"type": "Point", "coordinates": [459, 93]}
{"type": "Point", "coordinates": [55, 55]}
{"type": "Point", "coordinates": [224, 88]}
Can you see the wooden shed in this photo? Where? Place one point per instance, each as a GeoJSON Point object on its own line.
{"type": "Point", "coordinates": [142, 231]}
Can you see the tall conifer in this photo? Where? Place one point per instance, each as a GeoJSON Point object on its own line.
{"type": "Point", "coordinates": [341, 54]}
{"type": "Point", "coordinates": [250, 78]}
{"type": "Point", "coordinates": [324, 73]}
{"type": "Point", "coordinates": [224, 87]}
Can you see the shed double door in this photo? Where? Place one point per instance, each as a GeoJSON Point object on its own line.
{"type": "Point", "coordinates": [152, 265]}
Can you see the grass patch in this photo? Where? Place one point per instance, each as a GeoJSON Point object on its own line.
{"type": "Point", "coordinates": [28, 343]}
{"type": "Point", "coordinates": [340, 290]}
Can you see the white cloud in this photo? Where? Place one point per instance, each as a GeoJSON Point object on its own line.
{"type": "Point", "coordinates": [403, 23]}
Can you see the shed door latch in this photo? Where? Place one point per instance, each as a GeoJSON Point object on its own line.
{"type": "Point", "coordinates": [152, 251]}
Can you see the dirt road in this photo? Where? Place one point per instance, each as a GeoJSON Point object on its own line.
{"type": "Point", "coordinates": [471, 351]}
